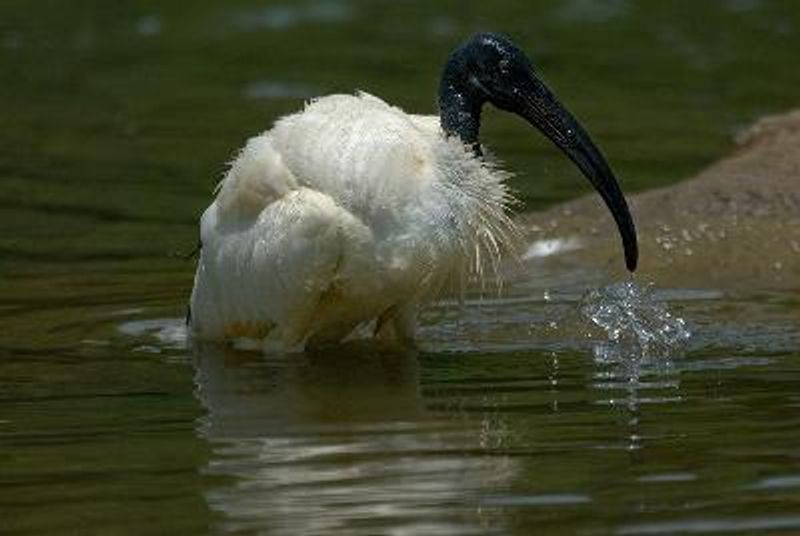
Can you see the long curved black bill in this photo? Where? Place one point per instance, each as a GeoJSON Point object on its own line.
{"type": "Point", "coordinates": [543, 111]}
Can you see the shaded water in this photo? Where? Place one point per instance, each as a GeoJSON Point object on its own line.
{"type": "Point", "coordinates": [506, 422]}
{"type": "Point", "coordinates": [510, 420]}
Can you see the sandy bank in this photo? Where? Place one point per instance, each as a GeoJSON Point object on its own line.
{"type": "Point", "coordinates": [736, 224]}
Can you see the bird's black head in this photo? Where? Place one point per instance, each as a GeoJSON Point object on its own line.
{"type": "Point", "coordinates": [490, 68]}
{"type": "Point", "coordinates": [497, 68]}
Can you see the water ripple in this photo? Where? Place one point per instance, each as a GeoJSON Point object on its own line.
{"type": "Point", "coordinates": [707, 526]}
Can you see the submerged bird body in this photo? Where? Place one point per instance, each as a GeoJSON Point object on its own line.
{"type": "Point", "coordinates": [352, 211]}
{"type": "Point", "coordinates": [347, 212]}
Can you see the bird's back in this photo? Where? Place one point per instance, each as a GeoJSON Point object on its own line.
{"type": "Point", "coordinates": [372, 158]}
{"type": "Point", "coordinates": [348, 211]}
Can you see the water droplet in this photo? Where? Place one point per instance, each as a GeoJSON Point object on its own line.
{"type": "Point", "coordinates": [639, 329]}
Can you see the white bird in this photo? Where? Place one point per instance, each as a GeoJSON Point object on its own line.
{"type": "Point", "coordinates": [353, 212]}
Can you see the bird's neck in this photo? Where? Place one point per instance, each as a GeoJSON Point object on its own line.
{"type": "Point", "coordinates": [460, 104]}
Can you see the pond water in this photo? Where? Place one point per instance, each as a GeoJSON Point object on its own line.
{"type": "Point", "coordinates": [514, 417]}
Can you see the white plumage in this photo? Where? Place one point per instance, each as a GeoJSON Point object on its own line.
{"type": "Point", "coordinates": [353, 212]}
{"type": "Point", "coordinates": [347, 213]}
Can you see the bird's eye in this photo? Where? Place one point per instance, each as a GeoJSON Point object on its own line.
{"type": "Point", "coordinates": [505, 66]}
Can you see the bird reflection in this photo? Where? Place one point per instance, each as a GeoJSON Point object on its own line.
{"type": "Point", "coordinates": [335, 441]}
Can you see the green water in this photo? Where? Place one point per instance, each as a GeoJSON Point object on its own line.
{"type": "Point", "coordinates": [117, 118]}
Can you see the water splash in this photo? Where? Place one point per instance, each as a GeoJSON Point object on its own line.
{"type": "Point", "coordinates": [641, 339]}
{"type": "Point", "coordinates": [639, 329]}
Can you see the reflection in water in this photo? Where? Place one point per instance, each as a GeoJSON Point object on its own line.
{"type": "Point", "coordinates": [336, 442]}
{"type": "Point", "coordinates": [506, 423]}
{"type": "Point", "coordinates": [524, 431]}
{"type": "Point", "coordinates": [344, 440]}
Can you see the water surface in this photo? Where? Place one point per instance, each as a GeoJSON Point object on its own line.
{"type": "Point", "coordinates": [118, 118]}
